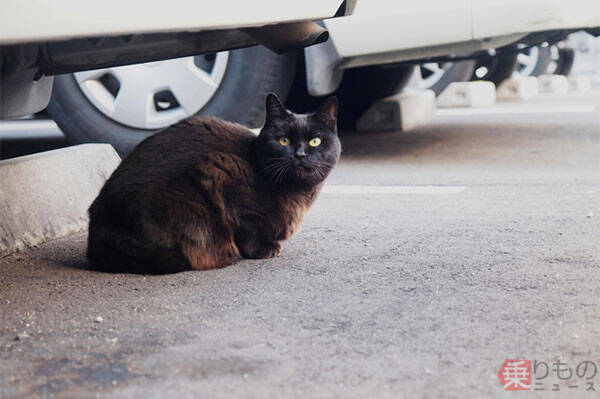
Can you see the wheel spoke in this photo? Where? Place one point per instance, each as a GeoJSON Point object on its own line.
{"type": "Point", "coordinates": [431, 73]}
{"type": "Point", "coordinates": [192, 87]}
{"type": "Point", "coordinates": [133, 104]}
{"type": "Point", "coordinates": [432, 67]}
{"type": "Point", "coordinates": [220, 66]}
{"type": "Point", "coordinates": [93, 74]}
{"type": "Point", "coordinates": [126, 73]}
{"type": "Point", "coordinates": [523, 59]}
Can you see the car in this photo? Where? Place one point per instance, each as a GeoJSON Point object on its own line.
{"type": "Point", "coordinates": [372, 52]}
{"type": "Point", "coordinates": [41, 40]}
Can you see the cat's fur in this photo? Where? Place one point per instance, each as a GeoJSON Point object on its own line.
{"type": "Point", "coordinates": [205, 193]}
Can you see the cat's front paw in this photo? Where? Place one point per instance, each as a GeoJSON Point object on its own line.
{"type": "Point", "coordinates": [267, 250]}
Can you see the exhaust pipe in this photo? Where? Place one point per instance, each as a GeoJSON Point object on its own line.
{"type": "Point", "coordinates": [281, 38]}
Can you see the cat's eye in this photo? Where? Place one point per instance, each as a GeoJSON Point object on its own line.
{"type": "Point", "coordinates": [314, 142]}
{"type": "Point", "coordinates": [284, 141]}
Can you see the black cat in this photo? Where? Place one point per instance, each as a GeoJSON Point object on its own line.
{"type": "Point", "coordinates": [204, 192]}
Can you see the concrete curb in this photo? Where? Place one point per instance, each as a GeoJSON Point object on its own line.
{"type": "Point", "coordinates": [555, 84]}
{"type": "Point", "coordinates": [518, 88]}
{"type": "Point", "coordinates": [468, 94]}
{"type": "Point", "coordinates": [45, 196]}
{"type": "Point", "coordinates": [403, 111]}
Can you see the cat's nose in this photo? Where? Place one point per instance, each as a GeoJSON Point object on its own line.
{"type": "Point", "coordinates": [300, 153]}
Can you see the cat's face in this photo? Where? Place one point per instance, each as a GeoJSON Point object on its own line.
{"type": "Point", "coordinates": [298, 150]}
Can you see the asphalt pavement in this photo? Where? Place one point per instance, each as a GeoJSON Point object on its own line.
{"type": "Point", "coordinates": [430, 258]}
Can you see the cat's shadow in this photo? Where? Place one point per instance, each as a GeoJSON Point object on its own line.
{"type": "Point", "coordinates": [64, 253]}
{"type": "Point", "coordinates": [83, 264]}
{"type": "Point", "coordinates": [79, 262]}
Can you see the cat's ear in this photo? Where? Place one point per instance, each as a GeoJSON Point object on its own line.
{"type": "Point", "coordinates": [328, 112]}
{"type": "Point", "coordinates": [275, 108]}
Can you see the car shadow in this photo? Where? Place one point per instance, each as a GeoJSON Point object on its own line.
{"type": "Point", "coordinates": [384, 144]}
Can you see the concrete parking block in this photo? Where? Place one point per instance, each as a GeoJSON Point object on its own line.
{"type": "Point", "coordinates": [468, 94]}
{"type": "Point", "coordinates": [555, 84]}
{"type": "Point", "coordinates": [518, 88]}
{"type": "Point", "coordinates": [45, 196]}
{"type": "Point", "coordinates": [580, 83]}
{"type": "Point", "coordinates": [403, 111]}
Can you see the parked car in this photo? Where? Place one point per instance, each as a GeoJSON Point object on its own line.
{"type": "Point", "coordinates": [383, 38]}
{"type": "Point", "coordinates": [370, 54]}
{"type": "Point", "coordinates": [39, 40]}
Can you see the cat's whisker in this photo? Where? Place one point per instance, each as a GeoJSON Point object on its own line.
{"type": "Point", "coordinates": [274, 162]}
{"type": "Point", "coordinates": [273, 173]}
{"type": "Point", "coordinates": [273, 168]}
{"type": "Point", "coordinates": [281, 173]}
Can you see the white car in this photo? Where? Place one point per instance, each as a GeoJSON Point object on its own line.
{"type": "Point", "coordinates": [371, 52]}
{"type": "Point", "coordinates": [40, 39]}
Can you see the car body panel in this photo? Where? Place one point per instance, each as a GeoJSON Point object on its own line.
{"type": "Point", "coordinates": [379, 26]}
{"type": "Point", "coordinates": [386, 26]}
{"type": "Point", "coordinates": [501, 17]}
{"type": "Point", "coordinates": [388, 31]}
{"type": "Point", "coordinates": [42, 20]}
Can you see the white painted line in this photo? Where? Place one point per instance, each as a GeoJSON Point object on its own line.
{"type": "Point", "coordinates": [358, 189]}
{"type": "Point", "coordinates": [517, 110]}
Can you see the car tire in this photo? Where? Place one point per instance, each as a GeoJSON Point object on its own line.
{"type": "Point", "coordinates": [533, 61]}
{"type": "Point", "coordinates": [250, 74]}
{"type": "Point", "coordinates": [563, 64]}
{"type": "Point", "coordinates": [361, 87]}
{"type": "Point", "coordinates": [456, 72]}
{"type": "Point", "coordinates": [497, 68]}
